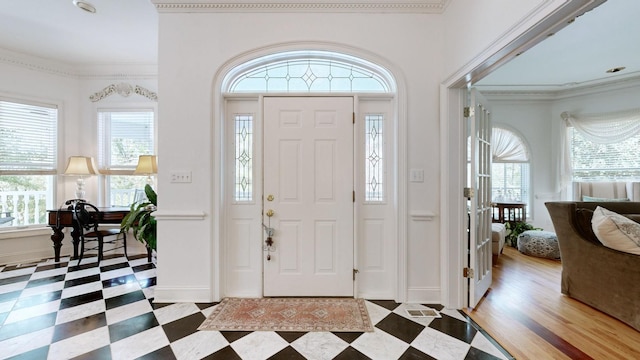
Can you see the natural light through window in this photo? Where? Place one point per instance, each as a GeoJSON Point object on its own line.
{"type": "Point", "coordinates": [596, 161]}
{"type": "Point", "coordinates": [244, 158]}
{"type": "Point", "coordinates": [374, 159]}
{"type": "Point", "coordinates": [510, 178]}
{"type": "Point", "coordinates": [28, 162]}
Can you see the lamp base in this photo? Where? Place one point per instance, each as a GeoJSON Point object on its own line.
{"type": "Point", "coordinates": [80, 193]}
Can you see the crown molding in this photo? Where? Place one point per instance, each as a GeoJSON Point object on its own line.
{"type": "Point", "coordinates": [95, 71]}
{"type": "Point", "coordinates": [531, 93]}
{"type": "Point", "coordinates": [368, 6]}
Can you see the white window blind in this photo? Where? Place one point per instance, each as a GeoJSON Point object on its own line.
{"type": "Point", "coordinates": [28, 138]}
{"type": "Point", "coordinates": [603, 161]}
{"type": "Point", "coordinates": [124, 135]}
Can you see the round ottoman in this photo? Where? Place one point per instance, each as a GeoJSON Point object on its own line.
{"type": "Point", "coordinates": [539, 243]}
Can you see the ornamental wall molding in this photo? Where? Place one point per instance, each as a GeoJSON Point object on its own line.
{"type": "Point", "coordinates": [123, 89]}
{"type": "Point", "coordinates": [106, 72]}
{"type": "Point", "coordinates": [432, 7]}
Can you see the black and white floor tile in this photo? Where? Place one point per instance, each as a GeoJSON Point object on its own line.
{"type": "Point", "coordinates": [62, 311]}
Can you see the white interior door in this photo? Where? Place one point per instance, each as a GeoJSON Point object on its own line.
{"type": "Point", "coordinates": [480, 216]}
{"type": "Point", "coordinates": [308, 191]}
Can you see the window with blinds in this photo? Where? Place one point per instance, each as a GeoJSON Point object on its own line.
{"type": "Point", "coordinates": [123, 136]}
{"type": "Point", "coordinates": [28, 138]}
{"type": "Point", "coordinates": [591, 161]}
{"type": "Point", "coordinates": [28, 161]}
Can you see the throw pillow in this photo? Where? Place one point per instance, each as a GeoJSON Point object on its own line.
{"type": "Point", "coordinates": [616, 231]}
{"type": "Point", "coordinates": [586, 198]}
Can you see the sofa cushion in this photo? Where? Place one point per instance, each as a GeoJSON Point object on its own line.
{"type": "Point", "coordinates": [616, 231]}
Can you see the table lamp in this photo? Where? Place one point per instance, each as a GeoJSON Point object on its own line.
{"type": "Point", "coordinates": [80, 166]}
{"type": "Point", "coordinates": [147, 165]}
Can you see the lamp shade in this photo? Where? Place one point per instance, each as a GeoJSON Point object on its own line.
{"type": "Point", "coordinates": [80, 166]}
{"type": "Point", "coordinates": [147, 165]}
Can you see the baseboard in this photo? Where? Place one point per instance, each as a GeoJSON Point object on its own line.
{"type": "Point", "coordinates": [182, 294]}
{"type": "Point", "coordinates": [424, 295]}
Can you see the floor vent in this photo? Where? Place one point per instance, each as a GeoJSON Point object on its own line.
{"type": "Point", "coordinates": [418, 313]}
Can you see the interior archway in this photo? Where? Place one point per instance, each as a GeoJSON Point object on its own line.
{"type": "Point", "coordinates": [368, 80]}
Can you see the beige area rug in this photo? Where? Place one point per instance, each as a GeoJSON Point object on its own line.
{"type": "Point", "coordinates": [289, 314]}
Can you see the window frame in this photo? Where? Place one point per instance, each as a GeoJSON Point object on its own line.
{"type": "Point", "coordinates": [104, 182]}
{"type": "Point", "coordinates": [58, 162]}
{"type": "Point", "coordinates": [526, 177]}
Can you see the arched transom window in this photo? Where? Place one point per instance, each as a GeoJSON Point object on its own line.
{"type": "Point", "coordinates": [309, 71]}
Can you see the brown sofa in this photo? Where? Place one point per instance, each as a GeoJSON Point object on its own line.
{"type": "Point", "coordinates": [606, 279]}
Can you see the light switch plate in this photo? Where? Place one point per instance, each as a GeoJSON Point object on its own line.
{"type": "Point", "coordinates": [181, 177]}
{"type": "Point", "coordinates": [416, 175]}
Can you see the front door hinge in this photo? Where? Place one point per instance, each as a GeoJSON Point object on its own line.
{"type": "Point", "coordinates": [355, 271]}
{"type": "Point", "coordinates": [467, 273]}
{"type": "Point", "coordinates": [354, 118]}
{"type": "Point", "coordinates": [353, 197]}
{"type": "Point", "coordinates": [469, 192]}
{"type": "Point", "coordinates": [468, 112]}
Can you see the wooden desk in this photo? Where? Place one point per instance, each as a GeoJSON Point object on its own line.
{"type": "Point", "coordinates": [509, 212]}
{"type": "Point", "coordinates": [61, 218]}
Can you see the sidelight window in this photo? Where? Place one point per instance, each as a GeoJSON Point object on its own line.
{"type": "Point", "coordinates": [243, 158]}
{"type": "Point", "coordinates": [374, 158]}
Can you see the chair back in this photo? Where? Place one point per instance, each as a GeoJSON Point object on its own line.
{"type": "Point", "coordinates": [86, 215]}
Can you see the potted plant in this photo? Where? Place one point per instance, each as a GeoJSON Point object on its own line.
{"type": "Point", "coordinates": [140, 218]}
{"type": "Point", "coordinates": [515, 228]}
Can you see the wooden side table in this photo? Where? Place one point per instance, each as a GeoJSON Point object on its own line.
{"type": "Point", "coordinates": [509, 212]}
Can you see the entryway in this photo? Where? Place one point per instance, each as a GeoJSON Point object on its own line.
{"type": "Point", "coordinates": [308, 187]}
{"type": "Point", "coordinates": [321, 153]}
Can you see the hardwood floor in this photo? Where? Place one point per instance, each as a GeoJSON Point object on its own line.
{"type": "Point", "coordinates": [526, 313]}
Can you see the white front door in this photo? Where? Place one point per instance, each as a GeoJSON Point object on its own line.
{"type": "Point", "coordinates": [308, 191]}
{"type": "Point", "coordinates": [480, 210]}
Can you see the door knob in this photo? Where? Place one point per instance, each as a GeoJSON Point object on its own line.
{"type": "Point", "coordinates": [270, 198]}
{"type": "Point", "coordinates": [270, 213]}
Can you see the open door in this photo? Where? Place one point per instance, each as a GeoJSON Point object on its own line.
{"type": "Point", "coordinates": [478, 192]}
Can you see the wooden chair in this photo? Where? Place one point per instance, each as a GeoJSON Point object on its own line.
{"type": "Point", "coordinates": [87, 217]}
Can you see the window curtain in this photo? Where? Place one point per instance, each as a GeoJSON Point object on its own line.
{"type": "Point", "coordinates": [605, 128]}
{"type": "Point", "coordinates": [601, 128]}
{"type": "Point", "coordinates": [506, 146]}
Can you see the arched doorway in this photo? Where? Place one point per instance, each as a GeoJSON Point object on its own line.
{"type": "Point", "coordinates": [376, 240]}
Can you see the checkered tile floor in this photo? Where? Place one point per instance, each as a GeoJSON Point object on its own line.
{"type": "Point", "coordinates": [63, 311]}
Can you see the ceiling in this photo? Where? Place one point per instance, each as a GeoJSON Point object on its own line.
{"type": "Point", "coordinates": [121, 31]}
{"type": "Point", "coordinates": [578, 55]}
{"type": "Point", "coordinates": [125, 32]}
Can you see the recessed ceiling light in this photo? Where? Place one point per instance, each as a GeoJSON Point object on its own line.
{"type": "Point", "coordinates": [616, 69]}
{"type": "Point", "coordinates": [85, 6]}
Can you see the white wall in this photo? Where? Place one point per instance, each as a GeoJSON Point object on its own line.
{"type": "Point", "coordinates": [193, 49]}
{"type": "Point", "coordinates": [49, 82]}
{"type": "Point", "coordinates": [531, 120]}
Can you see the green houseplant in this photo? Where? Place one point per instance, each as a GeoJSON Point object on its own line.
{"type": "Point", "coordinates": [514, 229]}
{"type": "Point", "coordinates": [140, 218]}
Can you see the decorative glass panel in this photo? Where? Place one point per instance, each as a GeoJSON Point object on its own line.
{"type": "Point", "coordinates": [244, 158]}
{"type": "Point", "coordinates": [374, 164]}
{"type": "Point", "coordinates": [313, 71]}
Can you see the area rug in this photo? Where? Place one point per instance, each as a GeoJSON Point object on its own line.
{"type": "Point", "coordinates": [289, 314]}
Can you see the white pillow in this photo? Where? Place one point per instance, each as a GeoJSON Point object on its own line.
{"type": "Point", "coordinates": [616, 231]}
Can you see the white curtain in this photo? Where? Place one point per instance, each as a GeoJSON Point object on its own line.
{"type": "Point", "coordinates": [606, 128]}
{"type": "Point", "coordinates": [506, 146]}
{"type": "Point", "coordinates": [603, 128]}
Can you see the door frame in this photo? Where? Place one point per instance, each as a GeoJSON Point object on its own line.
{"type": "Point", "coordinates": [396, 197]}
{"type": "Point", "coordinates": [546, 19]}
